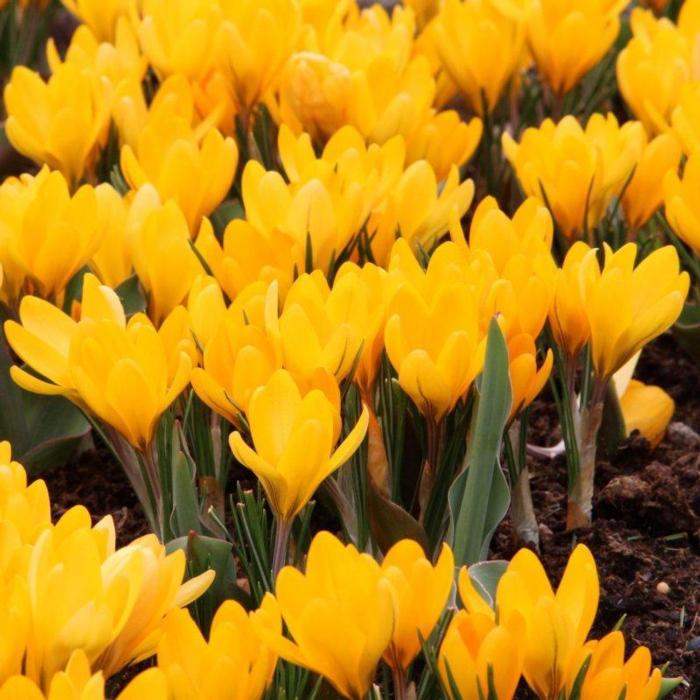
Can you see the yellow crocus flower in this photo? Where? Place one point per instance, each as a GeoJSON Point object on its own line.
{"type": "Point", "coordinates": [648, 299]}
{"type": "Point", "coordinates": [419, 209]}
{"type": "Point", "coordinates": [161, 246]}
{"type": "Point", "coordinates": [196, 173]}
{"type": "Point", "coordinates": [63, 122]}
{"type": "Point", "coordinates": [100, 16]}
{"type": "Point", "coordinates": [254, 42]}
{"type": "Point", "coordinates": [475, 648]}
{"type": "Point", "coordinates": [644, 193]}
{"type": "Point", "coordinates": [339, 614]}
{"type": "Point", "coordinates": [432, 336]}
{"type": "Point", "coordinates": [648, 409]}
{"type": "Point", "coordinates": [44, 335]}
{"type": "Point", "coordinates": [47, 234]}
{"type": "Point", "coordinates": [421, 590]}
{"type": "Point", "coordinates": [206, 308]}
{"type": "Point", "coordinates": [111, 364]}
{"type": "Point", "coordinates": [78, 682]}
{"type": "Point", "coordinates": [118, 61]}
{"type": "Point", "coordinates": [293, 439]}
{"type": "Point", "coordinates": [112, 261]}
{"type": "Point", "coordinates": [526, 380]}
{"type": "Point", "coordinates": [24, 508]}
{"type": "Point", "coordinates": [652, 69]}
{"type": "Point", "coordinates": [684, 118]}
{"type": "Point", "coordinates": [241, 355]}
{"type": "Point", "coordinates": [234, 664]}
{"type": "Point", "coordinates": [177, 35]}
{"type": "Point", "coordinates": [556, 625]}
{"type": "Point", "coordinates": [319, 326]}
{"type": "Point", "coordinates": [481, 48]}
{"type": "Point", "coordinates": [567, 313]}
{"type": "Point", "coordinates": [609, 676]}
{"type": "Point", "coordinates": [569, 38]}
{"type": "Point", "coordinates": [577, 171]}
{"type": "Point", "coordinates": [102, 362]}
{"type": "Point", "coordinates": [681, 203]}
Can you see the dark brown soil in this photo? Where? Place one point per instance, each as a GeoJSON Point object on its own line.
{"type": "Point", "coordinates": [646, 529]}
{"type": "Point", "coordinates": [95, 480]}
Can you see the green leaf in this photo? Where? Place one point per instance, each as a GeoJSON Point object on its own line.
{"type": "Point", "coordinates": [612, 430]}
{"type": "Point", "coordinates": [668, 685]}
{"type": "Point", "coordinates": [185, 515]}
{"type": "Point", "coordinates": [44, 430]}
{"type": "Point", "coordinates": [479, 496]}
{"type": "Point", "coordinates": [131, 296]}
{"type": "Point", "coordinates": [204, 553]}
{"type": "Point", "coordinates": [485, 576]}
{"type": "Point", "coordinates": [687, 331]}
{"type": "Point", "coordinates": [390, 523]}
{"type": "Point", "coordinates": [225, 213]}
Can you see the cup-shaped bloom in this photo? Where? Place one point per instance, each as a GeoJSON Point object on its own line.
{"type": "Point", "coordinates": [253, 44]}
{"type": "Point", "coordinates": [567, 39]}
{"type": "Point", "coordinates": [120, 61]}
{"type": "Point", "coordinates": [686, 118]}
{"type": "Point", "coordinates": [44, 335]}
{"type": "Point", "coordinates": [420, 591]}
{"type": "Point", "coordinates": [177, 35]}
{"type": "Point", "coordinates": [15, 616]}
{"type": "Point", "coordinates": [681, 203]}
{"type": "Point", "coordinates": [234, 664]}
{"type": "Point", "coordinates": [23, 508]}
{"type": "Point", "coordinates": [293, 440]}
{"type": "Point", "coordinates": [529, 232]}
{"type": "Point", "coordinates": [647, 298]}
{"type": "Point", "coordinates": [322, 327]}
{"type": "Point", "coordinates": [111, 604]}
{"type": "Point", "coordinates": [567, 313]}
{"type": "Point", "coordinates": [157, 590]}
{"type": "Point", "coordinates": [128, 376]}
{"type": "Point", "coordinates": [526, 380]}
{"type": "Point", "coordinates": [164, 260]}
{"type": "Point", "coordinates": [444, 140]}
{"type": "Point", "coordinates": [48, 234]}
{"type": "Point", "coordinates": [609, 675]}
{"type": "Point", "coordinates": [78, 682]}
{"type": "Point", "coordinates": [206, 307]}
{"type": "Point", "coordinates": [556, 625]}
{"type": "Point", "coordinates": [63, 122]}
{"type": "Point", "coordinates": [481, 47]}
{"type": "Point", "coordinates": [100, 15]}
{"type": "Point", "coordinates": [249, 255]}
{"type": "Point", "coordinates": [196, 173]}
{"type": "Point", "coordinates": [112, 261]}
{"type": "Point", "coordinates": [435, 345]}
{"type": "Point", "coordinates": [652, 69]}
{"type": "Point", "coordinates": [366, 291]}
{"type": "Point", "coordinates": [645, 192]}
{"type": "Point", "coordinates": [647, 409]}
{"type": "Point", "coordinates": [577, 171]}
{"type": "Point", "coordinates": [339, 614]}
{"type": "Point", "coordinates": [476, 650]}
{"type": "Point", "coordinates": [419, 209]}
{"type": "Point", "coordinates": [241, 356]}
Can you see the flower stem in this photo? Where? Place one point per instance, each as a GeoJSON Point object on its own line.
{"type": "Point", "coordinates": [279, 556]}
{"type": "Point", "coordinates": [399, 683]}
{"type": "Point", "coordinates": [580, 506]}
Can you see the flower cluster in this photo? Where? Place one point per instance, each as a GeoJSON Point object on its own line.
{"type": "Point", "coordinates": [281, 251]}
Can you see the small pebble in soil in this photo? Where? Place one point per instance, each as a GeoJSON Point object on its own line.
{"type": "Point", "coordinates": [694, 644]}
{"type": "Point", "coordinates": [663, 588]}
